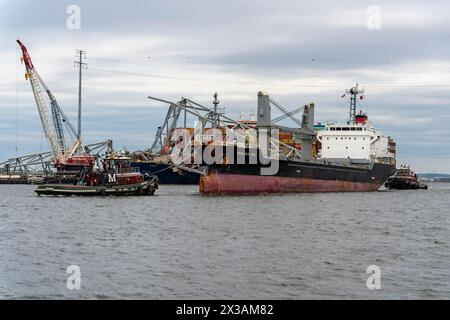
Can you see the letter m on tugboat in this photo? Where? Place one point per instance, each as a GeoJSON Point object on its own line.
{"type": "Point", "coordinates": [112, 177]}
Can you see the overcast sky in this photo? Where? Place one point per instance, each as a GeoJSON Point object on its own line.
{"type": "Point", "coordinates": [297, 51]}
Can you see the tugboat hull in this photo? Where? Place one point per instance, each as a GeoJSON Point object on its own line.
{"type": "Point", "coordinates": [404, 184]}
{"type": "Point", "coordinates": [404, 179]}
{"type": "Point", "coordinates": [137, 189]}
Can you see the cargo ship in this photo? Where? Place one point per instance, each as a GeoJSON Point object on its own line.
{"type": "Point", "coordinates": [167, 173]}
{"type": "Point", "coordinates": [333, 158]}
{"type": "Point", "coordinates": [295, 176]}
{"type": "Point", "coordinates": [160, 165]}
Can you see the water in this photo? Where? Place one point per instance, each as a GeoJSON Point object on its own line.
{"type": "Point", "coordinates": [181, 245]}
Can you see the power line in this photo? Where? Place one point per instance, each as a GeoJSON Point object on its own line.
{"type": "Point", "coordinates": [303, 85]}
{"type": "Point", "coordinates": [49, 67]}
{"type": "Point", "coordinates": [141, 62]}
{"type": "Point", "coordinates": [313, 85]}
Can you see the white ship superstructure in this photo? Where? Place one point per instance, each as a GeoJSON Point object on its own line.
{"type": "Point", "coordinates": [359, 140]}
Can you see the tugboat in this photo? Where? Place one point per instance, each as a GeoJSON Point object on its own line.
{"type": "Point", "coordinates": [116, 177]}
{"type": "Point", "coordinates": [404, 179]}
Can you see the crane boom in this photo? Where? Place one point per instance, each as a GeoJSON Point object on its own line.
{"type": "Point", "coordinates": [52, 125]}
{"type": "Point", "coordinates": [57, 121]}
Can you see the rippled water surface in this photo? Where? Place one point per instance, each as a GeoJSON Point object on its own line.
{"type": "Point", "coordinates": [179, 244]}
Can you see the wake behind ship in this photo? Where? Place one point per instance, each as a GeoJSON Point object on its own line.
{"type": "Point", "coordinates": [333, 158]}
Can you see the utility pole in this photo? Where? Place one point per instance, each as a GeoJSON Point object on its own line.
{"type": "Point", "coordinates": [353, 97]}
{"type": "Point", "coordinates": [80, 65]}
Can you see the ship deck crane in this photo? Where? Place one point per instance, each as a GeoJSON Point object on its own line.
{"type": "Point", "coordinates": [52, 120]}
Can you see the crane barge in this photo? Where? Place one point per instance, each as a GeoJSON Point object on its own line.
{"type": "Point", "coordinates": [65, 157]}
{"type": "Point", "coordinates": [79, 172]}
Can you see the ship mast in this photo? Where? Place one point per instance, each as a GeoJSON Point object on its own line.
{"type": "Point", "coordinates": [216, 115]}
{"type": "Point", "coordinates": [354, 92]}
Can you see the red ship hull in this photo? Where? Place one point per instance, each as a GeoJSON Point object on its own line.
{"type": "Point", "coordinates": [216, 183]}
{"type": "Point", "coordinates": [295, 176]}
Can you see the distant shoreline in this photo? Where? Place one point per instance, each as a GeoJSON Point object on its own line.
{"type": "Point", "coordinates": [434, 177]}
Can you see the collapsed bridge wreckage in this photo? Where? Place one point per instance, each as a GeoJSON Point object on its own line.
{"type": "Point", "coordinates": [158, 159]}
{"type": "Point", "coordinates": [39, 167]}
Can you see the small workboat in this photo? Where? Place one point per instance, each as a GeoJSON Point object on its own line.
{"type": "Point", "coordinates": [405, 179]}
{"type": "Point", "coordinates": [116, 177]}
